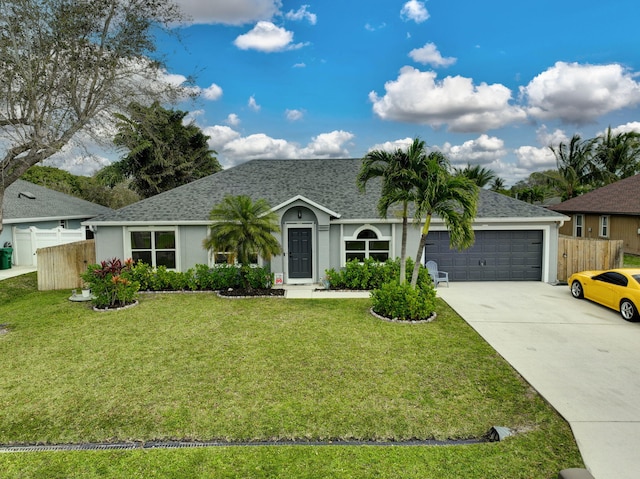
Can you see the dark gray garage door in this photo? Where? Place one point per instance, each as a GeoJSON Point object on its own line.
{"type": "Point", "coordinates": [495, 256]}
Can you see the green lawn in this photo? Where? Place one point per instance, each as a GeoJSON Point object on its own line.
{"type": "Point", "coordinates": [631, 261]}
{"type": "Point", "coordinates": [197, 367]}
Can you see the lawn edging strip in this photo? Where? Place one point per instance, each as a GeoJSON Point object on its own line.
{"type": "Point", "coordinates": [6, 448]}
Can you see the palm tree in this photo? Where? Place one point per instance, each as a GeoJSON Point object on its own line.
{"type": "Point", "coordinates": [497, 184]}
{"type": "Point", "coordinates": [397, 171]}
{"type": "Point", "coordinates": [618, 155]}
{"type": "Point", "coordinates": [454, 198]}
{"type": "Point", "coordinates": [243, 227]}
{"type": "Point", "coordinates": [480, 175]}
{"type": "Point", "coordinates": [576, 168]}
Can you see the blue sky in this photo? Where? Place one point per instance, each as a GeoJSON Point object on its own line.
{"type": "Point", "coordinates": [491, 83]}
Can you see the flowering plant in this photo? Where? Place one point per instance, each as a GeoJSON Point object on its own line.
{"type": "Point", "coordinates": [111, 283]}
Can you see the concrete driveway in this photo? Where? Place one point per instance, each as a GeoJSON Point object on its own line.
{"type": "Point", "coordinates": [582, 358]}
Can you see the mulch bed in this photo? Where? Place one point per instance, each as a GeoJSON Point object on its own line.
{"type": "Point", "coordinates": [244, 293]}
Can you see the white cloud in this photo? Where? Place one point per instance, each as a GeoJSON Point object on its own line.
{"type": "Point", "coordinates": [391, 146]}
{"type": "Point", "coordinates": [535, 158]}
{"type": "Point", "coordinates": [213, 92]}
{"type": "Point", "coordinates": [78, 164]}
{"type": "Point", "coordinates": [540, 157]}
{"type": "Point", "coordinates": [546, 138]}
{"type": "Point", "coordinates": [417, 97]}
{"type": "Point", "coordinates": [302, 14]}
{"type": "Point", "coordinates": [294, 115]}
{"type": "Point", "coordinates": [373, 28]}
{"type": "Point", "coordinates": [429, 55]}
{"type": "Point", "coordinates": [267, 37]}
{"type": "Point", "coordinates": [415, 11]}
{"type": "Point", "coordinates": [328, 145]}
{"type": "Point", "coordinates": [219, 136]}
{"type": "Point", "coordinates": [300, 65]}
{"type": "Point", "coordinates": [626, 128]}
{"type": "Point", "coordinates": [236, 12]}
{"type": "Point", "coordinates": [579, 94]}
{"type": "Point", "coordinates": [483, 150]}
{"type": "Point", "coordinates": [232, 119]}
{"type": "Point", "coordinates": [233, 148]}
{"type": "Point", "coordinates": [252, 104]}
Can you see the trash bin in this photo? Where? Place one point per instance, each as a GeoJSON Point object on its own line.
{"type": "Point", "coordinates": [5, 258]}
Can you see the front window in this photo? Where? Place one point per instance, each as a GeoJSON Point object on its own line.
{"type": "Point", "coordinates": [578, 226]}
{"type": "Point", "coordinates": [604, 226]}
{"type": "Point", "coordinates": [227, 257]}
{"type": "Point", "coordinates": [155, 248]}
{"type": "Point", "coordinates": [367, 245]}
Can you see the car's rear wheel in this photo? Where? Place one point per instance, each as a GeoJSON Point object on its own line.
{"type": "Point", "coordinates": [628, 310]}
{"type": "Point", "coordinates": [576, 290]}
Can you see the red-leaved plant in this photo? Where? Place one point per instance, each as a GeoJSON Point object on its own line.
{"type": "Point", "coordinates": [111, 284]}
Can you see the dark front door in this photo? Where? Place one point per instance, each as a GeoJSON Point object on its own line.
{"type": "Point", "coordinates": [300, 253]}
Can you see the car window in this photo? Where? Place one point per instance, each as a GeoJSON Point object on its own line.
{"type": "Point", "coordinates": [612, 277]}
{"type": "Point", "coordinates": [636, 277]}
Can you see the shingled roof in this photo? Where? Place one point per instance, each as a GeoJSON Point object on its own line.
{"type": "Point", "coordinates": [621, 198]}
{"type": "Point", "coordinates": [327, 182]}
{"type": "Point", "coordinates": [24, 201]}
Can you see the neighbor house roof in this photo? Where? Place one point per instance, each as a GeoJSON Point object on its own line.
{"type": "Point", "coordinates": [25, 202]}
{"type": "Point", "coordinates": [327, 182]}
{"type": "Point", "coordinates": [621, 197]}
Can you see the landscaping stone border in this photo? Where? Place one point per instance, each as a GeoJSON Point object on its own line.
{"type": "Point", "coordinates": [396, 320]}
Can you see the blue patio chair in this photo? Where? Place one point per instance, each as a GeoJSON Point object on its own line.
{"type": "Point", "coordinates": [437, 276]}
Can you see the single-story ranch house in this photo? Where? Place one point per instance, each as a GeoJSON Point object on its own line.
{"type": "Point", "coordinates": [35, 217]}
{"type": "Point", "coordinates": [325, 221]}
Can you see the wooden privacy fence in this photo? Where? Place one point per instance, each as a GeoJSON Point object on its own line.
{"type": "Point", "coordinates": [59, 267]}
{"type": "Point", "coordinates": [579, 254]}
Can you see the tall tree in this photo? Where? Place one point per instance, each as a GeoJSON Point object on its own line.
{"type": "Point", "coordinates": [64, 64]}
{"type": "Point", "coordinates": [618, 155]}
{"type": "Point", "coordinates": [397, 172]}
{"type": "Point", "coordinates": [480, 175]}
{"type": "Point", "coordinates": [453, 198]}
{"type": "Point", "coordinates": [497, 184]}
{"type": "Point", "coordinates": [162, 151]}
{"type": "Point", "coordinates": [576, 169]}
{"type": "Point", "coordinates": [243, 227]}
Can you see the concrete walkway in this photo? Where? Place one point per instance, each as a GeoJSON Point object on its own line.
{"type": "Point", "coordinates": [16, 271]}
{"type": "Point", "coordinates": [582, 358]}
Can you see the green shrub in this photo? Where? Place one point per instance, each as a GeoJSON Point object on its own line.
{"type": "Point", "coordinates": [370, 274]}
{"type": "Point", "coordinates": [402, 302]}
{"type": "Point", "coordinates": [111, 283]}
{"type": "Point", "coordinates": [200, 278]}
{"type": "Point", "coordinates": [257, 278]}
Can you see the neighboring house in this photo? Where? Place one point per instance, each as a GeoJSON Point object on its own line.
{"type": "Point", "coordinates": [36, 217]}
{"type": "Point", "coordinates": [610, 212]}
{"type": "Point", "coordinates": [325, 222]}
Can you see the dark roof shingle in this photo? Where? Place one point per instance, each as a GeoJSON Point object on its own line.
{"type": "Point", "coordinates": [46, 204]}
{"type": "Point", "coordinates": [328, 182]}
{"type": "Point", "coordinates": [621, 197]}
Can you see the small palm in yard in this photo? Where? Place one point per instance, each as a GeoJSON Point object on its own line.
{"type": "Point", "coordinates": [243, 227]}
{"type": "Point", "coordinates": [454, 198]}
{"type": "Point", "coordinates": [397, 171]}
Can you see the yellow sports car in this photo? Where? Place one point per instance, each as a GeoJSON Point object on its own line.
{"type": "Point", "coordinates": [617, 289]}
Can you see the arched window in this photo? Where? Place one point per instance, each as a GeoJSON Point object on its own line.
{"type": "Point", "coordinates": [367, 245]}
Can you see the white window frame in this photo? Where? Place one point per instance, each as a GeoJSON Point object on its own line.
{"type": "Point", "coordinates": [367, 250]}
{"type": "Point", "coordinates": [213, 264]}
{"type": "Point", "coordinates": [605, 226]}
{"type": "Point", "coordinates": [153, 249]}
{"type": "Point", "coordinates": [578, 226]}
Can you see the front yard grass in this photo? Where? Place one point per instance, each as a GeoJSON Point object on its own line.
{"type": "Point", "coordinates": [197, 367]}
